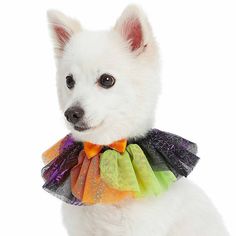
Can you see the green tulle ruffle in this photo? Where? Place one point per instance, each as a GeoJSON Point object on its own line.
{"type": "Point", "coordinates": [131, 171]}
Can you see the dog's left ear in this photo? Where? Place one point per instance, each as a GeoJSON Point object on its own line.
{"type": "Point", "coordinates": [62, 28]}
{"type": "Point", "coordinates": [134, 27]}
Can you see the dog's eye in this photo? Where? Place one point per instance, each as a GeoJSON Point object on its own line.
{"type": "Point", "coordinates": [106, 81]}
{"type": "Point", "coordinates": [70, 82]}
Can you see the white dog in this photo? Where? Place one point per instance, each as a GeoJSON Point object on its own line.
{"type": "Point", "coordinates": [108, 84]}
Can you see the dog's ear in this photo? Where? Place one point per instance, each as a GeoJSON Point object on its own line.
{"type": "Point", "coordinates": [135, 28]}
{"type": "Point", "coordinates": [62, 28]}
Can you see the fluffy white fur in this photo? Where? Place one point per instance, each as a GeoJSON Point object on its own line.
{"type": "Point", "coordinates": [125, 110]}
{"type": "Point", "coordinates": [182, 211]}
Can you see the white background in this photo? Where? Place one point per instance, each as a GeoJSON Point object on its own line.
{"type": "Point", "coordinates": [198, 48]}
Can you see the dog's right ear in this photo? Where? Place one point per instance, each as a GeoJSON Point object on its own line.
{"type": "Point", "coordinates": [62, 28]}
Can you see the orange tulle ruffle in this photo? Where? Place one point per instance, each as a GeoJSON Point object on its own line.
{"type": "Point", "coordinates": [87, 185]}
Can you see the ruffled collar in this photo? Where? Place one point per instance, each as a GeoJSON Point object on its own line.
{"type": "Point", "coordinates": [147, 166]}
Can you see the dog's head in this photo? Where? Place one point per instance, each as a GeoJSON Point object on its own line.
{"type": "Point", "coordinates": [107, 80]}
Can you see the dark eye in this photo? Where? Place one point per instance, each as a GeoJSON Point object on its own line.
{"type": "Point", "coordinates": [70, 82]}
{"type": "Point", "coordinates": [106, 81]}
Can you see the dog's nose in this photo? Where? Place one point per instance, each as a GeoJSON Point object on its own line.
{"type": "Point", "coordinates": [74, 114]}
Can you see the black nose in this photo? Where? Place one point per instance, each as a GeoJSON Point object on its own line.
{"type": "Point", "coordinates": [74, 114]}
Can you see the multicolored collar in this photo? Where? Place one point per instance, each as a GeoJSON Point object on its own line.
{"type": "Point", "coordinates": [85, 174]}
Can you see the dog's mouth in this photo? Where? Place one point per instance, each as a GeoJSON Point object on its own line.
{"type": "Point", "coordinates": [83, 127]}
